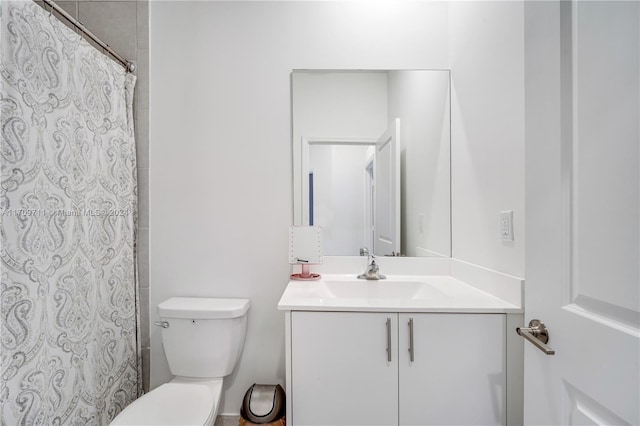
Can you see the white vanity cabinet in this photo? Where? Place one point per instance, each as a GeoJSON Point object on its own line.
{"type": "Point", "coordinates": [355, 368]}
{"type": "Point", "coordinates": [340, 370]}
{"type": "Point", "coordinates": [458, 374]}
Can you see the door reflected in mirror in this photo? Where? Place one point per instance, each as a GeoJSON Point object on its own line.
{"type": "Point", "coordinates": [372, 160]}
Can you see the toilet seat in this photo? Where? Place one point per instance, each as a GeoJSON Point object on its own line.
{"type": "Point", "coordinates": [174, 404]}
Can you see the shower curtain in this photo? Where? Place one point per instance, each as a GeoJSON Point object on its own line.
{"type": "Point", "coordinates": [69, 320]}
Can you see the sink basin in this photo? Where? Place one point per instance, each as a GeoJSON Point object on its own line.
{"type": "Point", "coordinates": [399, 293]}
{"type": "Point", "coordinates": [383, 289]}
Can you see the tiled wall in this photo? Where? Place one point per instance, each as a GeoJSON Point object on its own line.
{"type": "Point", "coordinates": [124, 25]}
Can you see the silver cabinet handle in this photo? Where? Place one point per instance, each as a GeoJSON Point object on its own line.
{"type": "Point", "coordinates": [163, 324]}
{"type": "Point", "coordinates": [537, 334]}
{"type": "Point", "coordinates": [411, 347]}
{"type": "Point", "coordinates": [389, 339]}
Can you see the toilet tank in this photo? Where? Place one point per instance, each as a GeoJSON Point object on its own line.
{"type": "Point", "coordinates": [205, 336]}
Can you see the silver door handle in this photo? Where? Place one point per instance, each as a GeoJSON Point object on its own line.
{"type": "Point", "coordinates": [537, 334]}
{"type": "Point", "coordinates": [389, 339]}
{"type": "Point", "coordinates": [411, 349]}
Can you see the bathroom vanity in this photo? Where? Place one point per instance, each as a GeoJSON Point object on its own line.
{"type": "Point", "coordinates": [408, 350]}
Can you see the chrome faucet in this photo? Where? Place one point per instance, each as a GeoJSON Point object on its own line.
{"type": "Point", "coordinates": [373, 271]}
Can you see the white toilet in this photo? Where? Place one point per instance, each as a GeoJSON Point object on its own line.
{"type": "Point", "coordinates": [202, 340]}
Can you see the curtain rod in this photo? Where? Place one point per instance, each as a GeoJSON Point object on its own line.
{"type": "Point", "coordinates": [128, 65]}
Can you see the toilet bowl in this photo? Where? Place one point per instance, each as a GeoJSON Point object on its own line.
{"type": "Point", "coordinates": [202, 339]}
{"type": "Point", "coordinates": [175, 403]}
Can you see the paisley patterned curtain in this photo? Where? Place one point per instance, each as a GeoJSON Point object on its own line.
{"type": "Point", "coordinates": [68, 209]}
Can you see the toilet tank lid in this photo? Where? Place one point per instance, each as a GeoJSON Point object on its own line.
{"type": "Point", "coordinates": [203, 308]}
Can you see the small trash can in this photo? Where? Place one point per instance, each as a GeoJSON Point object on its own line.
{"type": "Point", "coordinates": [263, 405]}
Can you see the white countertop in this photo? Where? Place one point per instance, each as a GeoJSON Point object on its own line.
{"type": "Point", "coordinates": [398, 293]}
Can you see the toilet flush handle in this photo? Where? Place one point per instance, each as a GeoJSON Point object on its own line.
{"type": "Point", "coordinates": [163, 324]}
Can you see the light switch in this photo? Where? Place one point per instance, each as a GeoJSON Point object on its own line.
{"type": "Point", "coordinates": [506, 225]}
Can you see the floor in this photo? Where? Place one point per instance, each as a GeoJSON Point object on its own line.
{"type": "Point", "coordinates": [227, 421]}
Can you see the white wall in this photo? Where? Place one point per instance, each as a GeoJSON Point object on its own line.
{"type": "Point", "coordinates": [487, 63]}
{"type": "Point", "coordinates": [421, 101]}
{"type": "Point", "coordinates": [220, 141]}
{"type": "Point", "coordinates": [221, 181]}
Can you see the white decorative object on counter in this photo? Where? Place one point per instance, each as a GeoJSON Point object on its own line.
{"type": "Point", "coordinates": [305, 248]}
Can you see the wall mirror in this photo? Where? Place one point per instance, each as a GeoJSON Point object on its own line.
{"type": "Point", "coordinates": [371, 160]}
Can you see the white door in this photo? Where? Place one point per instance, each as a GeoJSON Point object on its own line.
{"type": "Point", "coordinates": [368, 208]}
{"type": "Point", "coordinates": [387, 191]}
{"type": "Point", "coordinates": [582, 195]}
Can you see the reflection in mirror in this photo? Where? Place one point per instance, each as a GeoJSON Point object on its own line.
{"type": "Point", "coordinates": [371, 154]}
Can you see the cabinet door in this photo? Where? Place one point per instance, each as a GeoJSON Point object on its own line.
{"type": "Point", "coordinates": [458, 374]}
{"type": "Point", "coordinates": [340, 372]}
